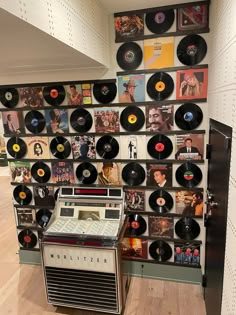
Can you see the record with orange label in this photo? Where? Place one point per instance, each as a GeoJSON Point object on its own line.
{"type": "Point", "coordinates": [22, 195]}
{"type": "Point", "coordinates": [16, 147]}
{"type": "Point", "coordinates": [41, 172]}
{"type": "Point", "coordinates": [60, 147]}
{"type": "Point", "coordinates": [160, 86]}
{"type": "Point", "coordinates": [132, 118]}
{"type": "Point", "coordinates": [159, 147]}
{"type": "Point", "coordinates": [54, 95]}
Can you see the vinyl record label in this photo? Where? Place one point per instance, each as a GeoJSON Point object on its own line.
{"type": "Point", "coordinates": [133, 174]}
{"type": "Point", "coordinates": [159, 22]}
{"type": "Point", "coordinates": [104, 92]}
{"type": "Point", "coordinates": [9, 97]}
{"type": "Point", "coordinates": [27, 238]}
{"type": "Point", "coordinates": [188, 175]}
{"type": "Point", "coordinates": [159, 147]}
{"type": "Point", "coordinates": [129, 56]}
{"type": "Point", "coordinates": [160, 251]}
{"type": "Point", "coordinates": [22, 195]}
{"type": "Point", "coordinates": [161, 201]}
{"type": "Point", "coordinates": [81, 120]}
{"type": "Point", "coordinates": [107, 147]}
{"type": "Point", "coordinates": [132, 118]}
{"type": "Point", "coordinates": [35, 121]}
{"type": "Point", "coordinates": [41, 172]}
{"type": "Point", "coordinates": [187, 228]}
{"type": "Point", "coordinates": [60, 147]}
{"type": "Point", "coordinates": [160, 86]}
{"type": "Point", "coordinates": [86, 173]}
{"type": "Point", "coordinates": [137, 225]}
{"type": "Point", "coordinates": [16, 147]}
{"type": "Point", "coordinates": [188, 116]}
{"type": "Point", "coordinates": [54, 95]}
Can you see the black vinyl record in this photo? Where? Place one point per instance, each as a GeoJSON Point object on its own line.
{"type": "Point", "coordinates": [43, 216]}
{"type": "Point", "coordinates": [137, 225]}
{"type": "Point", "coordinates": [27, 238]}
{"type": "Point", "coordinates": [81, 120]}
{"type": "Point", "coordinates": [160, 86]}
{"type": "Point", "coordinates": [159, 22]}
{"type": "Point", "coordinates": [132, 118]}
{"type": "Point", "coordinates": [191, 50]}
{"type": "Point", "coordinates": [41, 172]}
{"type": "Point", "coordinates": [104, 92]}
{"type": "Point", "coordinates": [60, 147]}
{"type": "Point", "coordinates": [22, 195]}
{"type": "Point", "coordinates": [16, 147]}
{"type": "Point", "coordinates": [161, 201]}
{"type": "Point", "coordinates": [159, 147]}
{"type": "Point", "coordinates": [133, 174]}
{"type": "Point", "coordinates": [107, 147]}
{"type": "Point", "coordinates": [129, 56]}
{"type": "Point", "coordinates": [188, 116]}
{"type": "Point", "coordinates": [187, 228]}
{"type": "Point", "coordinates": [56, 193]}
{"type": "Point", "coordinates": [54, 95]}
{"type": "Point", "coordinates": [35, 121]}
{"type": "Point", "coordinates": [86, 173]}
{"type": "Point", "coordinates": [160, 251]}
{"type": "Point", "coordinates": [188, 175]}
{"type": "Point", "coordinates": [9, 97]}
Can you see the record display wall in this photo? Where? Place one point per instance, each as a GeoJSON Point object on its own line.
{"type": "Point", "coordinates": [88, 133]}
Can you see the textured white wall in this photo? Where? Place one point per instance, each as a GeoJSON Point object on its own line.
{"type": "Point", "coordinates": [222, 107]}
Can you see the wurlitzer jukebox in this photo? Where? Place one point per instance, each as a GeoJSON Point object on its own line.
{"type": "Point", "coordinates": [80, 250]}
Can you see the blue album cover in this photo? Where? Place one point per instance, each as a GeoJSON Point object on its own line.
{"type": "Point", "coordinates": [56, 120]}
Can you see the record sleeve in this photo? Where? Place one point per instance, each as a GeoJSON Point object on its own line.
{"type": "Point", "coordinates": [161, 227]}
{"type": "Point", "coordinates": [79, 94]}
{"type": "Point", "coordinates": [26, 216]}
{"type": "Point", "coordinates": [13, 122]}
{"type": "Point", "coordinates": [159, 147]}
{"type": "Point", "coordinates": [107, 147]}
{"type": "Point", "coordinates": [22, 195]}
{"type": "Point", "coordinates": [187, 254]}
{"type": "Point", "coordinates": [131, 88]}
{"type": "Point", "coordinates": [27, 238]}
{"type": "Point", "coordinates": [44, 196]}
{"type": "Point", "coordinates": [133, 147]}
{"type": "Point", "coordinates": [129, 56]}
{"type": "Point", "coordinates": [134, 200]}
{"type": "Point", "coordinates": [56, 120]}
{"type": "Point", "coordinates": [63, 173]}
{"type": "Point", "coordinates": [128, 26]}
{"type": "Point", "coordinates": [81, 120]}
{"type": "Point", "coordinates": [192, 17]}
{"type": "Point", "coordinates": [9, 97]}
{"type": "Point", "coordinates": [161, 201]}
{"type": "Point", "coordinates": [160, 86]}
{"type": "Point", "coordinates": [188, 175]}
{"type": "Point", "coordinates": [54, 95]}
{"type": "Point", "coordinates": [133, 174]}
{"type": "Point", "coordinates": [104, 92]}
{"type": "Point", "coordinates": [187, 228]}
{"type": "Point", "coordinates": [189, 202]}
{"type": "Point", "coordinates": [159, 175]}
{"type": "Point", "coordinates": [83, 147]}
{"type": "Point", "coordinates": [31, 96]}
{"type": "Point", "coordinates": [159, 22]}
{"type": "Point", "coordinates": [38, 147]}
{"type": "Point", "coordinates": [107, 119]}
{"type": "Point", "coordinates": [134, 248]}
{"type": "Point", "coordinates": [160, 250]}
{"type": "Point", "coordinates": [159, 117]}
{"type": "Point", "coordinates": [188, 116]}
{"type": "Point", "coordinates": [16, 147]}
{"type": "Point", "coordinates": [109, 173]}
{"type": "Point", "coordinates": [137, 225]}
{"type": "Point", "coordinates": [20, 172]}
{"type": "Point", "coordinates": [189, 146]}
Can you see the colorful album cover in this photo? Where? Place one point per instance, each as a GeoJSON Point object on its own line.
{"type": "Point", "coordinates": [107, 119]}
{"type": "Point", "coordinates": [56, 120]}
{"type": "Point", "coordinates": [159, 175]}
{"type": "Point", "coordinates": [158, 53]}
{"type": "Point", "coordinates": [79, 94]}
{"type": "Point", "coordinates": [191, 83]}
{"type": "Point", "coordinates": [189, 202]}
{"type": "Point", "coordinates": [26, 216]}
{"type": "Point", "coordinates": [31, 96]}
{"type": "Point", "coordinates": [128, 26]}
{"type": "Point", "coordinates": [187, 254]}
{"type": "Point", "coordinates": [44, 196]}
{"type": "Point", "coordinates": [83, 147]}
{"type": "Point", "coordinates": [62, 173]}
{"type": "Point", "coordinates": [133, 147]}
{"type": "Point", "coordinates": [189, 147]}
{"type": "Point", "coordinates": [131, 88]}
{"type": "Point", "coordinates": [3, 152]}
{"type": "Point", "coordinates": [134, 248]}
{"type": "Point", "coordinates": [161, 227]}
{"type": "Point", "coordinates": [108, 173]}
{"type": "Point", "coordinates": [13, 122]}
{"type": "Point", "coordinates": [134, 200]}
{"type": "Point", "coordinates": [192, 18]}
{"type": "Point", "coordinates": [160, 117]}
{"type": "Point", "coordinates": [20, 171]}
{"type": "Point", "coordinates": [38, 147]}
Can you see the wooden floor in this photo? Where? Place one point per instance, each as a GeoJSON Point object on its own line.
{"type": "Point", "coordinates": [22, 290]}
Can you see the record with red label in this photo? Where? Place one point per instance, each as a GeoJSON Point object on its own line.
{"type": "Point", "coordinates": [136, 225]}
{"type": "Point", "coordinates": [129, 56]}
{"type": "Point", "coordinates": [159, 22]}
{"type": "Point", "coordinates": [9, 97]}
{"type": "Point", "coordinates": [41, 172]}
{"type": "Point", "coordinates": [27, 238]}
{"type": "Point", "coordinates": [161, 201]}
{"type": "Point", "coordinates": [188, 175]}
{"type": "Point", "coordinates": [22, 195]}
{"type": "Point", "coordinates": [86, 173]}
{"type": "Point", "coordinates": [104, 92]}
{"type": "Point", "coordinates": [187, 228]}
{"type": "Point", "coordinates": [160, 251]}
{"type": "Point", "coordinates": [188, 116]}
{"type": "Point", "coordinates": [43, 217]}
{"type": "Point", "coordinates": [60, 147]}
{"type": "Point", "coordinates": [107, 147]}
{"type": "Point", "coordinates": [160, 86]}
{"type": "Point", "coordinates": [54, 95]}
{"type": "Point", "coordinates": [16, 147]}
{"type": "Point", "coordinates": [35, 121]}
{"type": "Point", "coordinates": [132, 118]}
{"type": "Point", "coordinates": [159, 147]}
{"type": "Point", "coordinates": [133, 174]}
{"type": "Point", "coordinates": [81, 120]}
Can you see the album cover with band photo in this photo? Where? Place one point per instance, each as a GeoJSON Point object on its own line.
{"type": "Point", "coordinates": [134, 200]}
{"type": "Point", "coordinates": [56, 120]}
{"type": "Point", "coordinates": [20, 171]}
{"type": "Point", "coordinates": [83, 147]}
{"type": "Point", "coordinates": [13, 122]}
{"type": "Point", "coordinates": [187, 254]}
{"type": "Point", "coordinates": [159, 175]}
{"type": "Point", "coordinates": [161, 227]}
{"type": "Point", "coordinates": [32, 97]}
{"type": "Point", "coordinates": [131, 88]}
{"type": "Point", "coordinates": [189, 147]}
{"type": "Point", "coordinates": [63, 173]}
{"type": "Point", "coordinates": [79, 94]}
{"type": "Point", "coordinates": [160, 117]}
{"type": "Point", "coordinates": [38, 147]}
{"type": "Point", "coordinates": [128, 26]}
{"type": "Point", "coordinates": [134, 248]}
{"type": "Point", "coordinates": [26, 216]}
{"type": "Point", "coordinates": [189, 202]}
{"type": "Point", "coordinates": [107, 119]}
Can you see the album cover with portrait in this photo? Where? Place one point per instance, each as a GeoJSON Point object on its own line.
{"type": "Point", "coordinates": [189, 202]}
{"type": "Point", "coordinates": [134, 248]}
{"type": "Point", "coordinates": [192, 18]}
{"type": "Point", "coordinates": [159, 175]}
{"type": "Point", "coordinates": [134, 200]}
{"type": "Point", "coordinates": [131, 88]}
{"type": "Point", "coordinates": [128, 26]}
{"type": "Point", "coordinates": [108, 173]}
{"type": "Point", "coordinates": [56, 120]}
{"type": "Point", "coordinates": [161, 227]}
{"type": "Point", "coordinates": [83, 147]}
{"type": "Point", "coordinates": [13, 122]}
{"type": "Point", "coordinates": [187, 254]}
{"type": "Point", "coordinates": [189, 147]}
{"type": "Point", "coordinates": [26, 216]}
{"type": "Point", "coordinates": [107, 119]}
{"type": "Point", "coordinates": [31, 96]}
{"type": "Point", "coordinates": [62, 172]}
{"type": "Point", "coordinates": [191, 83]}
{"type": "Point", "coordinates": [44, 196]}
{"type": "Point", "coordinates": [160, 117]}
{"type": "Point", "coordinates": [38, 147]}
{"type": "Point", "coordinates": [20, 172]}
{"type": "Point", "coordinates": [79, 94]}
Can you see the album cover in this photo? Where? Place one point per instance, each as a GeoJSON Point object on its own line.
{"type": "Point", "coordinates": [187, 254]}
{"type": "Point", "coordinates": [160, 117]}
{"type": "Point", "coordinates": [107, 119]}
{"type": "Point", "coordinates": [131, 88]}
{"type": "Point", "coordinates": [189, 202]}
{"type": "Point", "coordinates": [38, 147]}
{"type": "Point", "coordinates": [191, 83]}
{"type": "Point", "coordinates": [128, 26]}
{"type": "Point", "coordinates": [108, 173]}
{"type": "Point", "coordinates": [31, 96]}
{"type": "Point", "coordinates": [26, 216]}
{"type": "Point", "coordinates": [159, 175]}
{"type": "Point", "coordinates": [192, 18]}
{"type": "Point", "coordinates": [3, 152]}
{"type": "Point", "coordinates": [83, 147]}
{"type": "Point", "coordinates": [189, 147]}
{"type": "Point", "coordinates": [134, 248]}
{"type": "Point", "coordinates": [44, 196]}
{"type": "Point", "coordinates": [62, 173]}
{"type": "Point", "coordinates": [134, 200]}
{"type": "Point", "coordinates": [20, 171]}
{"type": "Point", "coordinates": [161, 227]}
{"type": "Point", "coordinates": [79, 94]}
{"type": "Point", "coordinates": [133, 147]}
{"type": "Point", "coordinates": [13, 122]}
{"type": "Point", "coordinates": [56, 120]}
{"type": "Point", "coordinates": [158, 53]}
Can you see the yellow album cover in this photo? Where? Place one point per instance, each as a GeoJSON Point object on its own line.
{"type": "Point", "coordinates": [159, 53]}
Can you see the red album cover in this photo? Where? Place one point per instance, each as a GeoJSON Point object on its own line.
{"type": "Point", "coordinates": [189, 147]}
{"type": "Point", "coordinates": [38, 147]}
{"type": "Point", "coordinates": [134, 200]}
{"type": "Point", "coordinates": [107, 119]}
{"type": "Point", "coordinates": [108, 173]}
{"type": "Point", "coordinates": [128, 26]}
{"type": "Point", "coordinates": [83, 147]}
{"type": "Point", "coordinates": [13, 122]}
{"type": "Point", "coordinates": [20, 171]}
{"type": "Point", "coordinates": [161, 226]}
{"type": "Point", "coordinates": [159, 175]}
{"type": "Point", "coordinates": [134, 248]}
{"type": "Point", "coordinates": [31, 96]}
{"type": "Point", "coordinates": [62, 173]}
{"type": "Point", "coordinates": [160, 117]}
{"type": "Point", "coordinates": [189, 202]}
{"type": "Point", "coordinates": [192, 18]}
{"type": "Point", "coordinates": [187, 254]}
{"type": "Point", "coordinates": [191, 83]}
